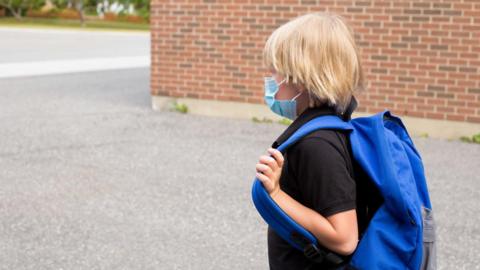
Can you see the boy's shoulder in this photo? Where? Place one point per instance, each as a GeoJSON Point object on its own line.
{"type": "Point", "coordinates": [335, 137]}
{"type": "Point", "coordinates": [327, 134]}
{"type": "Point", "coordinates": [321, 144]}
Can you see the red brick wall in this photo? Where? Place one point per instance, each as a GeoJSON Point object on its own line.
{"type": "Point", "coordinates": [421, 58]}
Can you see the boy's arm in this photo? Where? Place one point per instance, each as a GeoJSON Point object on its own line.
{"type": "Point", "coordinates": [338, 232]}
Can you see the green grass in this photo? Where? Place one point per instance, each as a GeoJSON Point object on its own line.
{"type": "Point", "coordinates": [285, 121]}
{"type": "Point", "coordinates": [64, 23]}
{"type": "Point", "coordinates": [264, 120]}
{"type": "Point", "coordinates": [424, 135]}
{"type": "Point", "coordinates": [474, 139]}
{"type": "Point", "coordinates": [180, 107]}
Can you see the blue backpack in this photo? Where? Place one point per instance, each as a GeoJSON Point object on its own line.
{"type": "Point", "coordinates": [401, 233]}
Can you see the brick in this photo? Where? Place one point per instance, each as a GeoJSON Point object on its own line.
{"type": "Point", "coordinates": [444, 109]}
{"type": "Point", "coordinates": [379, 57]}
{"type": "Point", "coordinates": [436, 88]}
{"type": "Point", "coordinates": [465, 111]}
{"type": "Point", "coordinates": [355, 9]}
{"type": "Point", "coordinates": [447, 68]}
{"type": "Point", "coordinates": [452, 12]}
{"type": "Point", "coordinates": [401, 18]}
{"type": "Point", "coordinates": [378, 70]}
{"type": "Point", "coordinates": [438, 47]}
{"type": "Point", "coordinates": [363, 3]}
{"type": "Point", "coordinates": [424, 94]}
{"type": "Point", "coordinates": [432, 11]}
{"type": "Point", "coordinates": [412, 11]}
{"type": "Point", "coordinates": [420, 18]}
{"type": "Point", "coordinates": [442, 5]}
{"type": "Point", "coordinates": [454, 103]}
{"type": "Point", "coordinates": [455, 117]}
{"type": "Point", "coordinates": [474, 119]}
{"type": "Point", "coordinates": [410, 39]}
{"type": "Point", "coordinates": [445, 95]}
{"type": "Point", "coordinates": [416, 114]}
{"type": "Point", "coordinates": [399, 45]}
{"type": "Point", "coordinates": [372, 24]}
{"type": "Point", "coordinates": [406, 79]}
{"type": "Point", "coordinates": [473, 90]}
{"type": "Point", "coordinates": [433, 115]}
{"type": "Point", "coordinates": [422, 4]}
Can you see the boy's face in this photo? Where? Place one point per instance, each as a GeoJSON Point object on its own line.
{"type": "Point", "coordinates": [286, 91]}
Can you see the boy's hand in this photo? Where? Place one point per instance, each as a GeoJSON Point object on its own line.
{"type": "Point", "coordinates": [269, 169]}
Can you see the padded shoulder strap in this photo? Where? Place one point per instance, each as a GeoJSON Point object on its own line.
{"type": "Point", "coordinates": [321, 122]}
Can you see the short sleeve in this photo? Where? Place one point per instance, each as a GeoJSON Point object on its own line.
{"type": "Point", "coordinates": [323, 178]}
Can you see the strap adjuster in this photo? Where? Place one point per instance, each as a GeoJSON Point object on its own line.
{"type": "Point", "coordinates": [316, 253]}
{"type": "Point", "coordinates": [313, 253]}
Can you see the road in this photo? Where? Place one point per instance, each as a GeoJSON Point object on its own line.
{"type": "Point", "coordinates": [34, 52]}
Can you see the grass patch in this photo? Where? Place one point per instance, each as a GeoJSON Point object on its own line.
{"type": "Point", "coordinates": [424, 135]}
{"type": "Point", "coordinates": [474, 139]}
{"type": "Point", "coordinates": [264, 120]}
{"type": "Point", "coordinates": [285, 121]}
{"type": "Point", "coordinates": [65, 23]}
{"type": "Point", "coordinates": [180, 107]}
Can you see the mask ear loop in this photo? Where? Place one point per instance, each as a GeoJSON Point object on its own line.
{"type": "Point", "coordinates": [280, 83]}
{"type": "Point", "coordinates": [297, 96]}
{"type": "Point", "coordinates": [294, 96]}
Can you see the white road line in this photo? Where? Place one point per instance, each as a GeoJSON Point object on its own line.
{"type": "Point", "coordinates": [100, 32]}
{"type": "Point", "coordinates": [9, 70]}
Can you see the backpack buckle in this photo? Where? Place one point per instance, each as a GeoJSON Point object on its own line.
{"type": "Point", "coordinates": [318, 255]}
{"type": "Point", "coordinates": [313, 253]}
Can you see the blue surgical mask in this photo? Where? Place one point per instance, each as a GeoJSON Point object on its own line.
{"type": "Point", "coordinates": [285, 108]}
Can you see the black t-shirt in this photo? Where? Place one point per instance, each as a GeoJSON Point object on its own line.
{"type": "Point", "coordinates": [319, 173]}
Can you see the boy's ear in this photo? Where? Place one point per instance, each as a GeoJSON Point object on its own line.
{"type": "Point", "coordinates": [301, 87]}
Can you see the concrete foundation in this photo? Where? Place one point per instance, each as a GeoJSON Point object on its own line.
{"type": "Point", "coordinates": [416, 126]}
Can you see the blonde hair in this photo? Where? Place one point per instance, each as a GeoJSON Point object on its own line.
{"type": "Point", "coordinates": [317, 50]}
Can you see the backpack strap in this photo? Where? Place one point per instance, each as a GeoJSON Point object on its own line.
{"type": "Point", "coordinates": [321, 122]}
{"type": "Point", "coordinates": [281, 223]}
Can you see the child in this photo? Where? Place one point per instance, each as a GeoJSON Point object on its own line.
{"type": "Point", "coordinates": [315, 70]}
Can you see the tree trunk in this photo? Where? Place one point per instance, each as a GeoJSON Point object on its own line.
{"type": "Point", "coordinates": [79, 8]}
{"type": "Point", "coordinates": [15, 10]}
{"type": "Point", "coordinates": [16, 15]}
